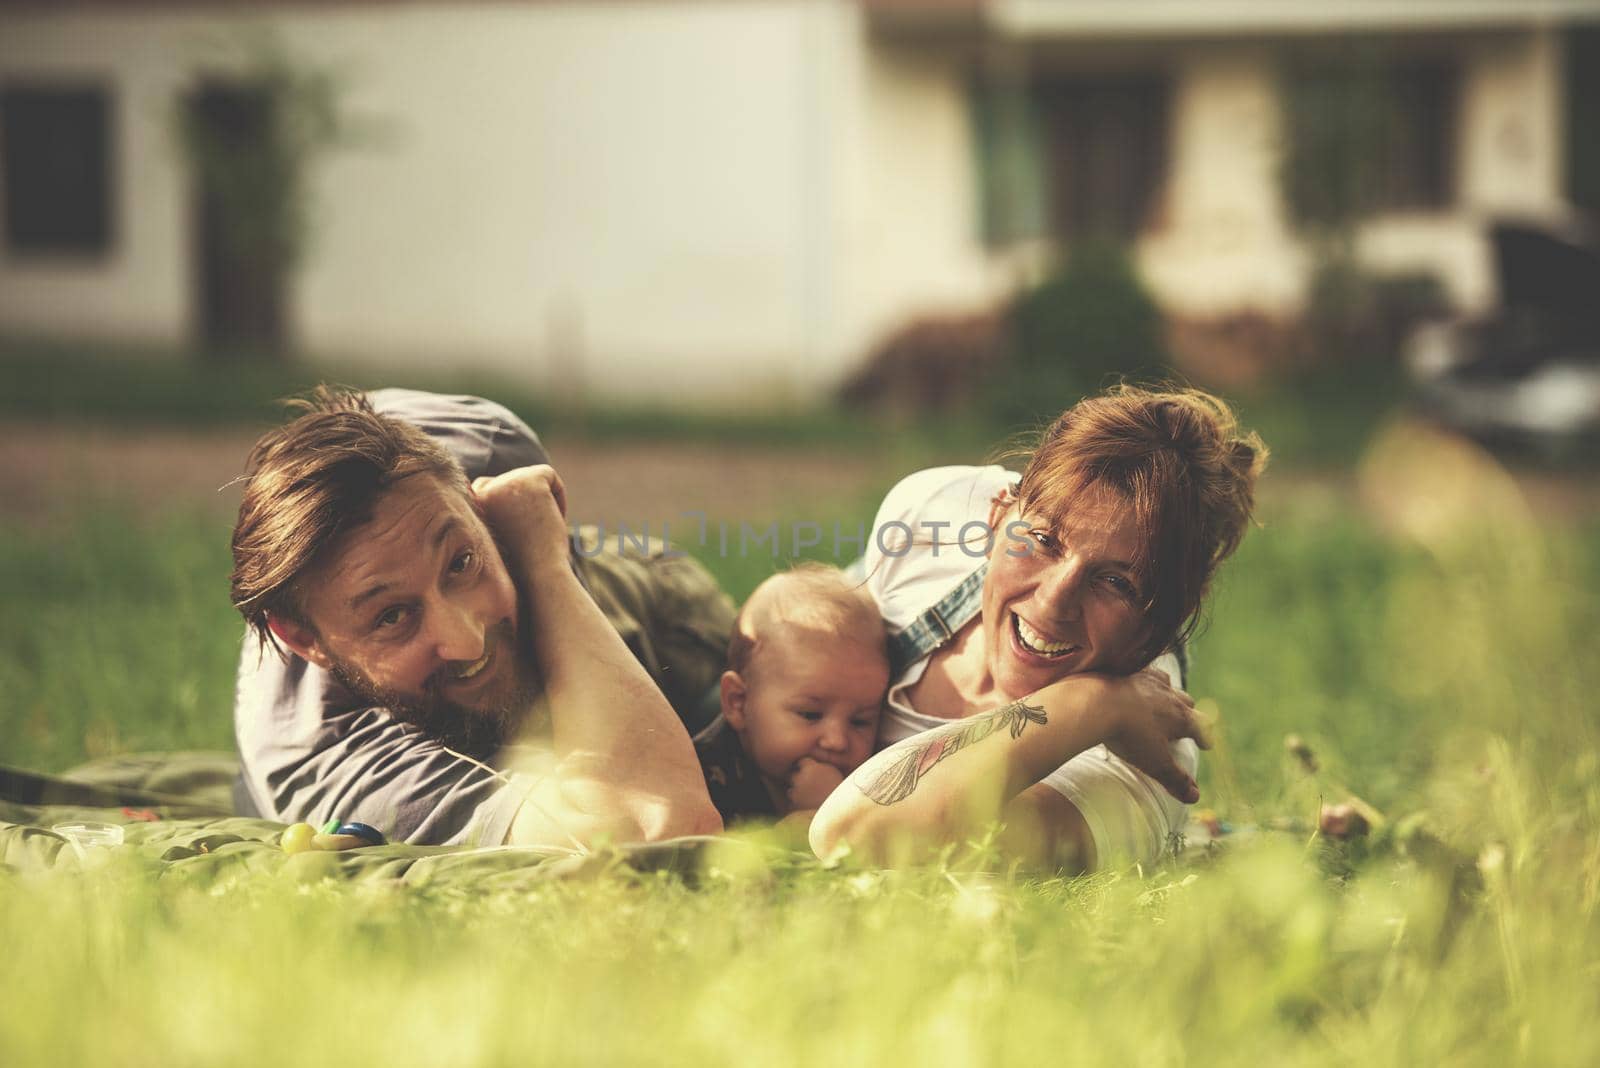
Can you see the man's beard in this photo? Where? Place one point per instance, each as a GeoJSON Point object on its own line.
{"type": "Point", "coordinates": [481, 730]}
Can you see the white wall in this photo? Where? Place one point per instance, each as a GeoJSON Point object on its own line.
{"type": "Point", "coordinates": [626, 185]}
{"type": "Point", "coordinates": [1511, 160]}
{"type": "Point", "coordinates": [621, 186]}
{"type": "Point", "coordinates": [1226, 244]}
{"type": "Point", "coordinates": [712, 200]}
{"type": "Point", "coordinates": [1223, 241]}
{"type": "Point", "coordinates": [911, 244]}
{"type": "Point", "coordinates": [140, 290]}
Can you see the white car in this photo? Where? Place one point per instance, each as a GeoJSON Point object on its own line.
{"type": "Point", "coordinates": [1531, 372]}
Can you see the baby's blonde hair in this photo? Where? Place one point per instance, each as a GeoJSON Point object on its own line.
{"type": "Point", "coordinates": [809, 597]}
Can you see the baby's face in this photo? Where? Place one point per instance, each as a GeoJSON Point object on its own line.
{"type": "Point", "coordinates": [819, 699]}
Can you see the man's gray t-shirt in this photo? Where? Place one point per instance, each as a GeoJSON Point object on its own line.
{"type": "Point", "coordinates": [312, 751]}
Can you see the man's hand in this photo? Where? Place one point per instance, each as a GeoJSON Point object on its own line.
{"type": "Point", "coordinates": [527, 510]}
{"type": "Point", "coordinates": [812, 782]}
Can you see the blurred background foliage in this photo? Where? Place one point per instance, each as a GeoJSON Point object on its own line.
{"type": "Point", "coordinates": [1090, 323]}
{"type": "Point", "coordinates": [261, 179]}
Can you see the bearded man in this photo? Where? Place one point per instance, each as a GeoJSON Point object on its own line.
{"type": "Point", "coordinates": [428, 654]}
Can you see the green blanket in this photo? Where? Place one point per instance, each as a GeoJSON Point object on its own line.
{"type": "Point", "coordinates": [174, 812]}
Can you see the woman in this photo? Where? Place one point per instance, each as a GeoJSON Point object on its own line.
{"type": "Point", "coordinates": [1025, 612]}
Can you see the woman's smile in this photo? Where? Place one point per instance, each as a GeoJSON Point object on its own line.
{"type": "Point", "coordinates": [1036, 643]}
{"type": "Point", "coordinates": [1062, 607]}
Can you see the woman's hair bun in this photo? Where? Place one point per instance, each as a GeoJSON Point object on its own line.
{"type": "Point", "coordinates": [1249, 454]}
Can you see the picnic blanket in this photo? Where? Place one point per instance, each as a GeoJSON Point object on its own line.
{"type": "Point", "coordinates": [175, 812]}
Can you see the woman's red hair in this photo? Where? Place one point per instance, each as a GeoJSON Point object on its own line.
{"type": "Point", "coordinates": [1180, 462]}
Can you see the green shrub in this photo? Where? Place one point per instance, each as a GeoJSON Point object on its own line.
{"type": "Point", "coordinates": [1089, 323]}
{"type": "Point", "coordinates": [1354, 315]}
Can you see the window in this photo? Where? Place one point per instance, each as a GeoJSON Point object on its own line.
{"type": "Point", "coordinates": [1006, 136]}
{"type": "Point", "coordinates": [1071, 158]}
{"type": "Point", "coordinates": [1370, 136]}
{"type": "Point", "coordinates": [1418, 148]}
{"type": "Point", "coordinates": [55, 162]}
{"type": "Point", "coordinates": [1105, 145]}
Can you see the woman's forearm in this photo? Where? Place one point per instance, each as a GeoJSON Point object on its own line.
{"type": "Point", "coordinates": [929, 789]}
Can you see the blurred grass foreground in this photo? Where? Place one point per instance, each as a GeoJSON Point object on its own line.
{"type": "Point", "coordinates": [1426, 634]}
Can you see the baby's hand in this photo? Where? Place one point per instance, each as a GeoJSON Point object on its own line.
{"type": "Point", "coordinates": [812, 782]}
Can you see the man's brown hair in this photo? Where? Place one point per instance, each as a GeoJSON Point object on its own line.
{"type": "Point", "coordinates": [1179, 462]}
{"type": "Point", "coordinates": [309, 482]}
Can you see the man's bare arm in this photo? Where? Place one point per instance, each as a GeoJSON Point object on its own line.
{"type": "Point", "coordinates": [630, 769]}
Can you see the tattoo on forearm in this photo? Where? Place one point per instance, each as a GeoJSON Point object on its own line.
{"type": "Point", "coordinates": [898, 779]}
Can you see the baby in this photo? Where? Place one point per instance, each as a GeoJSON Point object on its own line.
{"type": "Point", "coordinates": [807, 673]}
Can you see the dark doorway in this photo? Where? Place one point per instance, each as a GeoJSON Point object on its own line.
{"type": "Point", "coordinates": [240, 269]}
{"type": "Point", "coordinates": [1106, 151]}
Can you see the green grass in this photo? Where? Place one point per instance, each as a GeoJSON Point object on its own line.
{"type": "Point", "coordinates": [1449, 682]}
{"type": "Point", "coordinates": [137, 387]}
{"type": "Point", "coordinates": [1315, 419]}
{"type": "Point", "coordinates": [1259, 962]}
{"type": "Point", "coordinates": [116, 635]}
{"type": "Point", "coordinates": [1323, 417]}
{"type": "Point", "coordinates": [1446, 677]}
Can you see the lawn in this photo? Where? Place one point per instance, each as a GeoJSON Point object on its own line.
{"type": "Point", "coordinates": [1436, 659]}
{"type": "Point", "coordinates": [1318, 418]}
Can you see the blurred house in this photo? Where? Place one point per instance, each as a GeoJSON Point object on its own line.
{"type": "Point", "coordinates": [724, 199]}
